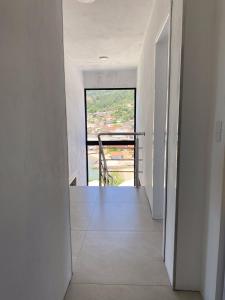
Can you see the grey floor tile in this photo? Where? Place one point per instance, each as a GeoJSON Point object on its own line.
{"type": "Point", "coordinates": [84, 194]}
{"type": "Point", "coordinates": [122, 195]}
{"type": "Point", "coordinates": [108, 194]}
{"type": "Point", "coordinates": [81, 213]}
{"type": "Point", "coordinates": [77, 241]}
{"type": "Point", "coordinates": [123, 216]}
{"type": "Point", "coordinates": [126, 292]}
{"type": "Point", "coordinates": [121, 258]}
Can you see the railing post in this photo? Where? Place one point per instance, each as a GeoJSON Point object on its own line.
{"type": "Point", "coordinates": [100, 166]}
{"type": "Point", "coordinates": [136, 169]}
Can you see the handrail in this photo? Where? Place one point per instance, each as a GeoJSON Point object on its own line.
{"type": "Point", "coordinates": [121, 133]}
{"type": "Point", "coordinates": [104, 174]}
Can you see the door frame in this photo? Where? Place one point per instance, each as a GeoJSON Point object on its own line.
{"type": "Point", "coordinates": [176, 46]}
{"type": "Point", "coordinates": [165, 29]}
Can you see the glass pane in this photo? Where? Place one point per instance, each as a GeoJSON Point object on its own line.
{"type": "Point", "coordinates": [93, 173]}
{"type": "Point", "coordinates": [122, 178]}
{"type": "Point", "coordinates": [110, 111]}
{"type": "Point", "coordinates": [120, 163]}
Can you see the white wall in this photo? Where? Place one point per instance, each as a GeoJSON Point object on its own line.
{"type": "Point", "coordinates": [120, 78]}
{"type": "Point", "coordinates": [75, 122]}
{"type": "Point", "coordinates": [196, 99]}
{"type": "Point", "coordinates": [211, 265]}
{"type": "Point", "coordinates": [197, 194]}
{"type": "Point", "coordinates": [145, 111]}
{"type": "Point", "coordinates": [35, 254]}
{"type": "Point", "coordinates": [146, 89]}
{"type": "Point", "coordinates": [76, 81]}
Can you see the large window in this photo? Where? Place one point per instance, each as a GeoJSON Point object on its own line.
{"type": "Point", "coordinates": [111, 110]}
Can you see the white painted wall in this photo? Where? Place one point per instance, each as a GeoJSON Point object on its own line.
{"type": "Point", "coordinates": [75, 121]}
{"type": "Point", "coordinates": [211, 264]}
{"type": "Point", "coordinates": [118, 78]}
{"type": "Point", "coordinates": [146, 89]}
{"type": "Point", "coordinates": [35, 254]}
{"type": "Point", "coordinates": [160, 122]}
{"type": "Point", "coordinates": [76, 81]}
{"type": "Point", "coordinates": [197, 193]}
{"type": "Point", "coordinates": [145, 109]}
{"type": "Point", "coordinates": [196, 99]}
{"type": "Point", "coordinates": [196, 114]}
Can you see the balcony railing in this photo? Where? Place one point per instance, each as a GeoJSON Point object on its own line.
{"type": "Point", "coordinates": [106, 171]}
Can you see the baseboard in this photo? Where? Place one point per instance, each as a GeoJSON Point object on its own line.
{"type": "Point", "coordinates": [68, 287]}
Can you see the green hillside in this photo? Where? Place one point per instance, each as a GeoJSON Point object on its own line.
{"type": "Point", "coordinates": [119, 103]}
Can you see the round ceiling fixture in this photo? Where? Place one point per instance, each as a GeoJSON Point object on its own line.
{"type": "Point", "coordinates": [86, 1]}
{"type": "Point", "coordinates": [103, 58]}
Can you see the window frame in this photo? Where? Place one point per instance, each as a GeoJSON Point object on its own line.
{"type": "Point", "coordinates": [106, 143]}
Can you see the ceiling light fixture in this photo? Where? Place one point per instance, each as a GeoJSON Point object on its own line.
{"type": "Point", "coordinates": [103, 58]}
{"type": "Point", "coordinates": [86, 1]}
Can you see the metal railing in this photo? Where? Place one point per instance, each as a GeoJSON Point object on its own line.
{"type": "Point", "coordinates": [105, 178]}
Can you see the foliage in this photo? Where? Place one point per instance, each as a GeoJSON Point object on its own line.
{"type": "Point", "coordinates": [117, 178]}
{"type": "Point", "coordinates": [118, 103]}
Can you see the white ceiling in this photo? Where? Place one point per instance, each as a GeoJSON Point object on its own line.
{"type": "Point", "coordinates": [113, 28]}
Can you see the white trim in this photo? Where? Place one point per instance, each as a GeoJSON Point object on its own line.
{"type": "Point", "coordinates": [165, 24]}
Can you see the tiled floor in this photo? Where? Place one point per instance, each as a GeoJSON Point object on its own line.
{"type": "Point", "coordinates": [117, 247]}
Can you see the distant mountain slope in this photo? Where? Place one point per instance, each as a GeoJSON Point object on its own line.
{"type": "Point", "coordinates": [119, 103]}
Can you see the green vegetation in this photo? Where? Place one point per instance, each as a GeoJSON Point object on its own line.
{"type": "Point", "coordinates": [117, 178]}
{"type": "Point", "coordinates": [118, 103]}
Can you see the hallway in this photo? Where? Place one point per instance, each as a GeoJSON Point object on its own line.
{"type": "Point", "coordinates": [117, 247]}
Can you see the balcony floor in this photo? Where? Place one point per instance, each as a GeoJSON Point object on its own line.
{"type": "Point", "coordinates": [117, 247]}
